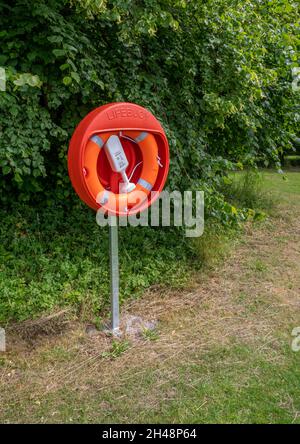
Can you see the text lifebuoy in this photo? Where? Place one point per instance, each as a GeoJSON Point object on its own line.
{"type": "Point", "coordinates": [148, 153]}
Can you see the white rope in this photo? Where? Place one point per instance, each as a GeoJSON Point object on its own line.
{"type": "Point", "coordinates": [159, 162]}
{"type": "Point", "coordinates": [134, 170]}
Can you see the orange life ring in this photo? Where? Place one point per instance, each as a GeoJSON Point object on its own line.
{"type": "Point", "coordinates": [108, 200]}
{"type": "Point", "coordinates": [146, 150]}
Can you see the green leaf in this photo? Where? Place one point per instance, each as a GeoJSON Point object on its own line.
{"type": "Point", "coordinates": [6, 170]}
{"type": "Point", "coordinates": [59, 52]}
{"type": "Point", "coordinates": [64, 66]}
{"type": "Point", "coordinates": [67, 80]}
{"type": "Point", "coordinates": [75, 76]}
{"type": "Point", "coordinates": [18, 178]}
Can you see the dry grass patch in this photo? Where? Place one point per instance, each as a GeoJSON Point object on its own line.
{"type": "Point", "coordinates": [216, 344]}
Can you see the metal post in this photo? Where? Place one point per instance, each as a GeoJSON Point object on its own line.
{"type": "Point", "coordinates": [114, 273]}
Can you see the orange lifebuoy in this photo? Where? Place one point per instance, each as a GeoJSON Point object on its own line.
{"type": "Point", "coordinates": [146, 151]}
{"type": "Point", "coordinates": [108, 200]}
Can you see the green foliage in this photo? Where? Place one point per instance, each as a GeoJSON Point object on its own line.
{"type": "Point", "coordinates": [246, 190]}
{"type": "Point", "coordinates": [54, 258]}
{"type": "Point", "coordinates": [214, 245]}
{"type": "Point", "coordinates": [216, 73]}
{"type": "Point", "coordinates": [150, 335]}
{"type": "Point", "coordinates": [118, 347]}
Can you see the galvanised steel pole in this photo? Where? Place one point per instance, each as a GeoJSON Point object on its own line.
{"type": "Point", "coordinates": [114, 274]}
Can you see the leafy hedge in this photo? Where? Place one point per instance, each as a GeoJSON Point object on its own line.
{"type": "Point", "coordinates": [57, 257]}
{"type": "Point", "coordinates": [216, 72]}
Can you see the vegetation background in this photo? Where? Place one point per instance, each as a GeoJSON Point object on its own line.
{"type": "Point", "coordinates": [218, 75]}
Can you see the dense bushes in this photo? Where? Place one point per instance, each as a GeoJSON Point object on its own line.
{"type": "Point", "coordinates": [217, 74]}
{"type": "Point", "coordinates": [53, 257]}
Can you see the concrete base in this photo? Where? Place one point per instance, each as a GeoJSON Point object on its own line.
{"type": "Point", "coordinates": [135, 326]}
{"type": "Point", "coordinates": [130, 327]}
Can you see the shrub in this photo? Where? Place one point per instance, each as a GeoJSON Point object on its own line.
{"type": "Point", "coordinates": [217, 74]}
{"type": "Point", "coordinates": [54, 257]}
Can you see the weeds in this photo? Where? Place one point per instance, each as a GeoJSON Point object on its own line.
{"type": "Point", "coordinates": [215, 244]}
{"type": "Point", "coordinates": [258, 265]}
{"type": "Point", "coordinates": [117, 349]}
{"type": "Point", "coordinates": [246, 190]}
{"type": "Point", "coordinates": [150, 335]}
{"type": "Point", "coordinates": [51, 258]}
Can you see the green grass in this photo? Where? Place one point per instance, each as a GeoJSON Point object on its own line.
{"type": "Point", "coordinates": [285, 186]}
{"type": "Point", "coordinates": [257, 265]}
{"type": "Point", "coordinates": [233, 384]}
{"type": "Point", "coordinates": [248, 392]}
{"type": "Point", "coordinates": [51, 257]}
{"type": "Point", "coordinates": [223, 356]}
{"type": "Point", "coordinates": [246, 190]}
{"type": "Point", "coordinates": [215, 244]}
{"type": "Point", "coordinates": [293, 157]}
